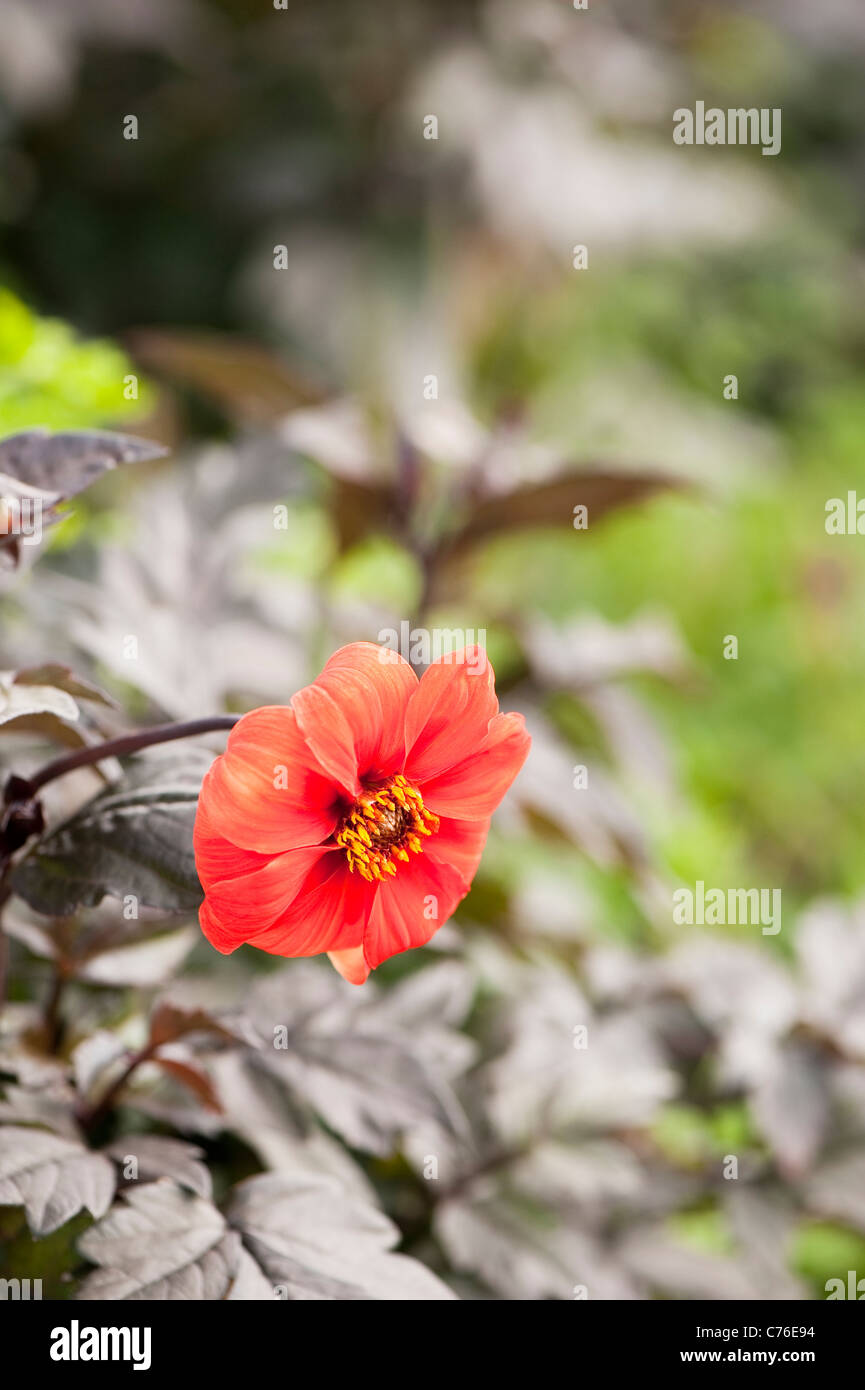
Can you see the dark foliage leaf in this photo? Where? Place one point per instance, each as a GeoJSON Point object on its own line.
{"type": "Point", "coordinates": [360, 509]}
{"type": "Point", "coordinates": [133, 839]}
{"type": "Point", "coordinates": [246, 380]}
{"type": "Point", "coordinates": [67, 463]}
{"type": "Point", "coordinates": [194, 1079]}
{"type": "Point", "coordinates": [367, 1076]}
{"type": "Point", "coordinates": [168, 1023]}
{"type": "Point", "coordinates": [552, 503]}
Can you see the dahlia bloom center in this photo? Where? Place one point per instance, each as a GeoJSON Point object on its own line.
{"type": "Point", "coordinates": [384, 828]}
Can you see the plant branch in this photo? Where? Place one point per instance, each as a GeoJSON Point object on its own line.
{"type": "Point", "coordinates": [92, 1115]}
{"type": "Point", "coordinates": [127, 743]}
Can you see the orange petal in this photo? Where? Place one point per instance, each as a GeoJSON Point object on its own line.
{"type": "Point", "coordinates": [449, 714]}
{"type": "Point", "coordinates": [473, 788]}
{"type": "Point", "coordinates": [410, 909]}
{"type": "Point", "coordinates": [350, 964]}
{"type": "Point", "coordinates": [459, 843]}
{"type": "Point", "coordinates": [266, 792]}
{"type": "Point", "coordinates": [217, 858]}
{"type": "Point", "coordinates": [372, 686]}
{"type": "Point", "coordinates": [219, 935]}
{"type": "Point", "coordinates": [328, 914]}
{"type": "Point", "coordinates": [255, 900]}
{"type": "Point", "coordinates": [329, 735]}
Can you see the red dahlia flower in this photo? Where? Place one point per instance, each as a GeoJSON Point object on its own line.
{"type": "Point", "coordinates": [353, 820]}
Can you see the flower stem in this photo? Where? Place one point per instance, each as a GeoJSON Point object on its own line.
{"type": "Point", "coordinates": [127, 743]}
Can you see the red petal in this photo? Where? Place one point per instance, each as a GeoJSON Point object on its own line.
{"type": "Point", "coordinates": [350, 964]}
{"type": "Point", "coordinates": [372, 686]}
{"type": "Point", "coordinates": [473, 788]}
{"type": "Point", "coordinates": [411, 908]}
{"type": "Point", "coordinates": [328, 914]}
{"type": "Point", "coordinates": [217, 858]}
{"type": "Point", "coordinates": [449, 714]}
{"type": "Point", "coordinates": [220, 936]}
{"type": "Point", "coordinates": [265, 792]}
{"type": "Point", "coordinates": [459, 843]}
{"type": "Point", "coordinates": [329, 735]}
{"type": "Point", "coordinates": [255, 900]}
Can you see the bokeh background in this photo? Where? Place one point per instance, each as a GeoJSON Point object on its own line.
{"type": "Point", "coordinates": [302, 389]}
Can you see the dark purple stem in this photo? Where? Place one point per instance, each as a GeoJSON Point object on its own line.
{"type": "Point", "coordinates": [127, 743]}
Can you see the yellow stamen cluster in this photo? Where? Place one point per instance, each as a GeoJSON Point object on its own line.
{"type": "Point", "coordinates": [384, 828]}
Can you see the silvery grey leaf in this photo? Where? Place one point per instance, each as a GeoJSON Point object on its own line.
{"type": "Point", "coordinates": [763, 1221]}
{"type": "Point", "coordinates": [590, 1175]}
{"type": "Point", "coordinates": [52, 1177]}
{"type": "Point", "coordinates": [290, 1237]}
{"type": "Point", "coordinates": [158, 1242]}
{"type": "Point", "coordinates": [791, 1106]}
{"type": "Point", "coordinates": [17, 701]}
{"type": "Point", "coordinates": [590, 651]}
{"type": "Point", "coordinates": [551, 1076]}
{"type": "Point", "coordinates": [522, 1254]}
{"type": "Point", "coordinates": [50, 1107]}
{"type": "Point", "coordinates": [433, 996]}
{"type": "Point", "coordinates": [367, 1088]}
{"type": "Point", "coordinates": [655, 1256]}
{"type": "Point", "coordinates": [159, 1157]}
{"type": "Point", "coordinates": [368, 1078]}
{"type": "Point", "coordinates": [318, 1243]}
{"type": "Point", "coordinates": [278, 1128]}
{"type": "Point", "coordinates": [830, 946]}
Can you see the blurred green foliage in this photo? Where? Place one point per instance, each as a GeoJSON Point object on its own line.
{"type": "Point", "coordinates": [50, 377]}
{"type": "Point", "coordinates": [767, 745]}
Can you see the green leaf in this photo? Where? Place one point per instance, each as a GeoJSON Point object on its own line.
{"type": "Point", "coordinates": [49, 376]}
{"type": "Point", "coordinates": [133, 839]}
